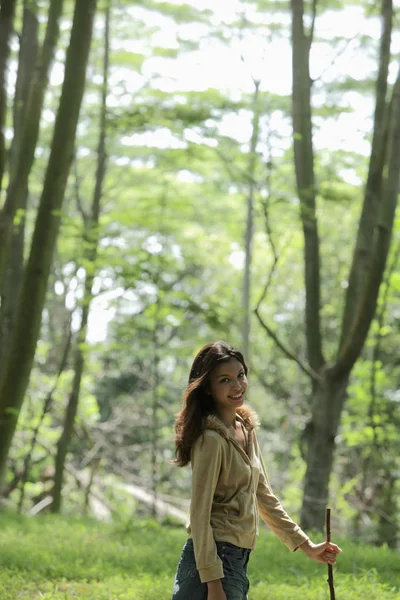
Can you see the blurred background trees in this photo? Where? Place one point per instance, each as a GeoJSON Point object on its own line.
{"type": "Point", "coordinates": [212, 190]}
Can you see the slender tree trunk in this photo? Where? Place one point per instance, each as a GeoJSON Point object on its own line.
{"type": "Point", "coordinates": [25, 149]}
{"type": "Point", "coordinates": [387, 526]}
{"type": "Point", "coordinates": [28, 54]}
{"type": "Point", "coordinates": [304, 167]}
{"type": "Point", "coordinates": [248, 242]}
{"type": "Point", "coordinates": [94, 467]}
{"type": "Point", "coordinates": [90, 257]}
{"type": "Point", "coordinates": [7, 13]}
{"type": "Point", "coordinates": [15, 378]}
{"type": "Point", "coordinates": [154, 413]}
{"type": "Point", "coordinates": [155, 369]}
{"type": "Point", "coordinates": [14, 267]}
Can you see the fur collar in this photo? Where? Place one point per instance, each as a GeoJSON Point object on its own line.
{"type": "Point", "coordinates": [245, 414]}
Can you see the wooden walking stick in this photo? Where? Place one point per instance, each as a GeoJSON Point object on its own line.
{"type": "Point", "coordinates": [328, 539]}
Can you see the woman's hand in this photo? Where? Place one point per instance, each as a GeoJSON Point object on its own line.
{"type": "Point", "coordinates": [323, 553]}
{"type": "Point", "coordinates": [215, 590]}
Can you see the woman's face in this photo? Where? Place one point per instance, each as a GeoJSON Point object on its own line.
{"type": "Point", "coordinates": [228, 384]}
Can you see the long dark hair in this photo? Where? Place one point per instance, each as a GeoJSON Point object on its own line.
{"type": "Point", "coordinates": [197, 401]}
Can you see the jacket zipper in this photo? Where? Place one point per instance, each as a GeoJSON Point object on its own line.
{"type": "Point", "coordinates": [248, 460]}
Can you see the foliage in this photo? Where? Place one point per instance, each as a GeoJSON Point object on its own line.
{"type": "Point", "coordinates": [171, 252]}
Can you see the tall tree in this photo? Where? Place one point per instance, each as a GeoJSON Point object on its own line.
{"type": "Point", "coordinates": [91, 241]}
{"type": "Point", "coordinates": [15, 377]}
{"type": "Point", "coordinates": [330, 380]}
{"type": "Point", "coordinates": [28, 105]}
{"type": "Point", "coordinates": [248, 238]}
{"type": "Point", "coordinates": [12, 273]}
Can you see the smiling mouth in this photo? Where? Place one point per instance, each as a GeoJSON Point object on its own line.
{"type": "Point", "coordinates": [237, 397]}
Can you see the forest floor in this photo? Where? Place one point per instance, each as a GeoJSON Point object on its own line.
{"type": "Point", "coordinates": [51, 557]}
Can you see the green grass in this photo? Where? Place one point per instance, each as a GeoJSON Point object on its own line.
{"type": "Point", "coordinates": [64, 558]}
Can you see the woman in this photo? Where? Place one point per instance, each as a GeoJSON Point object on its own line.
{"type": "Point", "coordinates": [230, 487]}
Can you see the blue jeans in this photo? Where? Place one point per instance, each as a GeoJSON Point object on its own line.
{"type": "Point", "coordinates": [187, 585]}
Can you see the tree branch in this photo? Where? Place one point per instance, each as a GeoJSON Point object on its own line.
{"type": "Point", "coordinates": [335, 57]}
{"type": "Point", "coordinates": [266, 205]}
{"type": "Point", "coordinates": [303, 366]}
{"type": "Point", "coordinates": [313, 17]}
{"type": "Point", "coordinates": [237, 171]}
{"type": "Point", "coordinates": [78, 198]}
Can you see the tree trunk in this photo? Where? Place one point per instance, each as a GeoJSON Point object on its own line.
{"type": "Point", "coordinates": [14, 267]}
{"type": "Point", "coordinates": [304, 167]}
{"type": "Point", "coordinates": [155, 383]}
{"type": "Point", "coordinates": [20, 359]}
{"type": "Point", "coordinates": [248, 242]}
{"type": "Point", "coordinates": [25, 148]}
{"type": "Point", "coordinates": [387, 527]}
{"type": "Point", "coordinates": [328, 400]}
{"type": "Point", "coordinates": [69, 419]}
{"type": "Point", "coordinates": [376, 224]}
{"type": "Point", "coordinates": [91, 239]}
{"type": "Point", "coordinates": [28, 54]}
{"type": "Point", "coordinates": [7, 13]}
{"type": "Point", "coordinates": [155, 368]}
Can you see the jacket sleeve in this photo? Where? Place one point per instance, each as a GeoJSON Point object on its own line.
{"type": "Point", "coordinates": [272, 511]}
{"type": "Point", "coordinates": [206, 459]}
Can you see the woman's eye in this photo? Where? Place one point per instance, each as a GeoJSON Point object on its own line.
{"type": "Point", "coordinates": [241, 374]}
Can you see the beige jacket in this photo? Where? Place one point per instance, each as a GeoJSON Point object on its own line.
{"type": "Point", "coordinates": [230, 488]}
